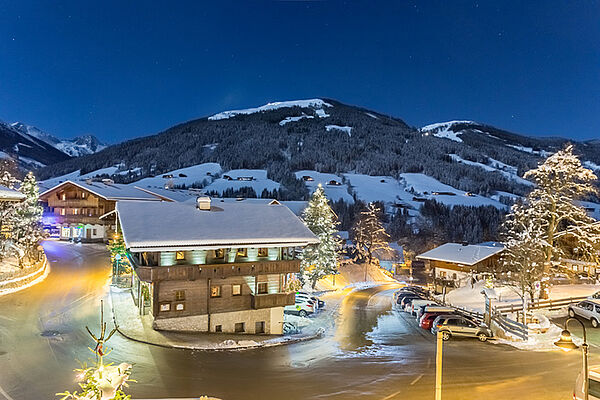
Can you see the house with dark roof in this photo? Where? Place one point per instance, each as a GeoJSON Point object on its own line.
{"type": "Point", "coordinates": [213, 266]}
{"type": "Point", "coordinates": [84, 210]}
{"type": "Point", "coordinates": [457, 262]}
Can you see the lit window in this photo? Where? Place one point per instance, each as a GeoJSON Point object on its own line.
{"type": "Point", "coordinates": [180, 255]}
{"type": "Point", "coordinates": [263, 252]}
{"type": "Point", "coordinates": [64, 196]}
{"type": "Point", "coordinates": [179, 306]}
{"type": "Point", "coordinates": [83, 195]}
{"type": "Point", "coordinates": [215, 291]}
{"type": "Point", "coordinates": [220, 253]}
{"type": "Point", "coordinates": [165, 306]}
{"type": "Point", "coordinates": [242, 252]}
{"type": "Point", "coordinates": [236, 290]}
{"type": "Point", "coordinates": [262, 288]}
{"type": "Point", "coordinates": [62, 211]}
{"type": "Point", "coordinates": [180, 295]}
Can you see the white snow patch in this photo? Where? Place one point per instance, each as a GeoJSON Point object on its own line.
{"type": "Point", "coordinates": [508, 171]}
{"type": "Point", "coordinates": [294, 119]}
{"type": "Point", "coordinates": [347, 129]}
{"type": "Point", "coordinates": [372, 115]}
{"type": "Point", "coordinates": [311, 103]}
{"type": "Point", "coordinates": [241, 178]}
{"type": "Point", "coordinates": [530, 150]}
{"type": "Point", "coordinates": [444, 130]}
{"type": "Point", "coordinates": [321, 113]}
{"type": "Point", "coordinates": [332, 191]}
{"type": "Point", "coordinates": [184, 176]}
{"type": "Point", "coordinates": [591, 165]}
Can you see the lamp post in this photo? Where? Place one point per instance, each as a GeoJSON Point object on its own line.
{"type": "Point", "coordinates": [566, 343]}
{"type": "Point", "coordinates": [438, 366]}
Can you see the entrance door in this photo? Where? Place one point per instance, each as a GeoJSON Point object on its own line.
{"type": "Point", "coordinates": [88, 232]}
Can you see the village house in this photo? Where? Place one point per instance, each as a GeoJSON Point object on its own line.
{"type": "Point", "coordinates": [455, 264]}
{"type": "Point", "coordinates": [84, 210]}
{"type": "Point", "coordinates": [213, 266]}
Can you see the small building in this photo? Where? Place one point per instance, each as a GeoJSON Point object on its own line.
{"type": "Point", "coordinates": [213, 266]}
{"type": "Point", "coordinates": [457, 262]}
{"type": "Point", "coordinates": [10, 195]}
{"type": "Point", "coordinates": [82, 209]}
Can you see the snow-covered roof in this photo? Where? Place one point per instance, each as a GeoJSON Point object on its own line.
{"type": "Point", "coordinates": [7, 194]}
{"type": "Point", "coordinates": [155, 226]}
{"type": "Point", "coordinates": [111, 191]}
{"type": "Point", "coordinates": [461, 254]}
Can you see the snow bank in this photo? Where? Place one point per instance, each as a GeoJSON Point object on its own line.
{"type": "Point", "coordinates": [311, 103]}
{"type": "Point", "coordinates": [346, 129]}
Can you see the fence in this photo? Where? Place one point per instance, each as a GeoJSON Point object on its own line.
{"type": "Point", "coordinates": [507, 325]}
{"type": "Point", "coordinates": [539, 304]}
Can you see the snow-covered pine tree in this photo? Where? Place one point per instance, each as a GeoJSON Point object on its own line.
{"type": "Point", "coordinates": [369, 234]}
{"type": "Point", "coordinates": [548, 224]}
{"type": "Point", "coordinates": [7, 208]}
{"type": "Point", "coordinates": [27, 229]}
{"type": "Point", "coordinates": [321, 259]}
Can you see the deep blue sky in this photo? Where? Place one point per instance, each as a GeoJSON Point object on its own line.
{"type": "Point", "coordinates": [121, 70]}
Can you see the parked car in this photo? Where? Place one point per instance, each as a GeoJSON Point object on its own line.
{"type": "Point", "coordinates": [426, 321]}
{"type": "Point", "coordinates": [400, 298]}
{"type": "Point", "coordinates": [595, 296]}
{"type": "Point", "coordinates": [418, 303]}
{"type": "Point", "coordinates": [457, 325]}
{"type": "Point", "coordinates": [588, 309]}
{"type": "Point", "coordinates": [593, 384]}
{"type": "Point", "coordinates": [302, 307]}
{"type": "Point", "coordinates": [433, 308]}
{"type": "Point", "coordinates": [319, 303]}
{"type": "Point", "coordinates": [407, 300]}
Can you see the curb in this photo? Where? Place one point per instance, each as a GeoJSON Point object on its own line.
{"type": "Point", "coordinates": [316, 335]}
{"type": "Point", "coordinates": [31, 279]}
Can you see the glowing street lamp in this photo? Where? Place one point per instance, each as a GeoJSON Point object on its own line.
{"type": "Point", "coordinates": [565, 342]}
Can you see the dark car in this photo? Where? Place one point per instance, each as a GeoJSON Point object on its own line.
{"type": "Point", "coordinates": [426, 320]}
{"type": "Point", "coordinates": [459, 326]}
{"type": "Point", "coordinates": [407, 300]}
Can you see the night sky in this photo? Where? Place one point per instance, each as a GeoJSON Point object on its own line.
{"type": "Point", "coordinates": [121, 70]}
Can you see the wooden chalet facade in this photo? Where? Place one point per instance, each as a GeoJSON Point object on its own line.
{"type": "Point", "coordinates": [455, 263]}
{"type": "Point", "coordinates": [82, 209]}
{"type": "Point", "coordinates": [223, 267]}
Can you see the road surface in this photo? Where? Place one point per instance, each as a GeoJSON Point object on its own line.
{"type": "Point", "coordinates": [373, 353]}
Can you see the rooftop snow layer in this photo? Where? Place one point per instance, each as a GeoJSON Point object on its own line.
{"type": "Point", "coordinates": [227, 224]}
{"type": "Point", "coordinates": [112, 191]}
{"type": "Point", "coordinates": [460, 254]}
{"type": "Point", "coordinates": [311, 103]}
{"type": "Point", "coordinates": [7, 194]}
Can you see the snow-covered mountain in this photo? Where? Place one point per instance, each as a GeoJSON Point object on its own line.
{"type": "Point", "coordinates": [326, 136]}
{"type": "Point", "coordinates": [76, 147]}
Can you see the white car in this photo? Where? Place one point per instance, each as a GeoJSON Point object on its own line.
{"type": "Point", "coordinates": [588, 309]}
{"type": "Point", "coordinates": [416, 304]}
{"type": "Point", "coordinates": [594, 385]}
{"type": "Point", "coordinates": [307, 296]}
{"type": "Point", "coordinates": [303, 308]}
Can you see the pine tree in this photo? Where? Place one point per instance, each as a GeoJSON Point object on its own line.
{"type": "Point", "coordinates": [27, 229]}
{"type": "Point", "coordinates": [7, 209]}
{"type": "Point", "coordinates": [321, 259]}
{"type": "Point", "coordinates": [369, 234]}
{"type": "Point", "coordinates": [548, 223]}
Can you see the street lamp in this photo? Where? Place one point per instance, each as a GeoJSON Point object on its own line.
{"type": "Point", "coordinates": [566, 343]}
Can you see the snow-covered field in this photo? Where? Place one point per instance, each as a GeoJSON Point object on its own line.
{"type": "Point", "coordinates": [443, 130]}
{"type": "Point", "coordinates": [333, 192]}
{"type": "Point", "coordinates": [379, 188]}
{"type": "Point", "coordinates": [184, 176]}
{"type": "Point", "coordinates": [241, 178]}
{"type": "Point", "coordinates": [333, 128]}
{"type": "Point", "coordinates": [508, 171]}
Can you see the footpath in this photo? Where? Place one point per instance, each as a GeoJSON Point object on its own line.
{"type": "Point", "coordinates": [139, 328]}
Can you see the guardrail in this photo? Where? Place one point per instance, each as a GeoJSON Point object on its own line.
{"type": "Point", "coordinates": [536, 305]}
{"type": "Point", "coordinates": [507, 325]}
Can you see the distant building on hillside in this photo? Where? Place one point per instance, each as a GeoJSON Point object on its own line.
{"type": "Point", "coordinates": [213, 266]}
{"type": "Point", "coordinates": [455, 263]}
{"type": "Point", "coordinates": [83, 209]}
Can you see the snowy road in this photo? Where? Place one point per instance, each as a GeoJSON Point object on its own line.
{"type": "Point", "coordinates": [373, 353]}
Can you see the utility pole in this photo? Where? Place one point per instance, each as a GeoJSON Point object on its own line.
{"type": "Point", "coordinates": [438, 367]}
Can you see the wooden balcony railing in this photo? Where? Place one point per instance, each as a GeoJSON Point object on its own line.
{"type": "Point", "coordinates": [273, 300]}
{"type": "Point", "coordinates": [214, 271]}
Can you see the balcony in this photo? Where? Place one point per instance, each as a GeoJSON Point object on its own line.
{"type": "Point", "coordinates": [214, 271]}
{"type": "Point", "coordinates": [75, 219]}
{"type": "Point", "coordinates": [273, 300]}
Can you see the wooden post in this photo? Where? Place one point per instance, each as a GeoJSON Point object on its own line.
{"type": "Point", "coordinates": [208, 304]}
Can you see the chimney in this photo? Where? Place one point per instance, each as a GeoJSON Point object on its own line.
{"type": "Point", "coordinates": [203, 203]}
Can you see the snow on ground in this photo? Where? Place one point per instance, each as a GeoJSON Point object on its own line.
{"type": "Point", "coordinates": [372, 115]}
{"type": "Point", "coordinates": [347, 129]}
{"type": "Point", "coordinates": [333, 192]}
{"type": "Point", "coordinates": [321, 113]}
{"type": "Point", "coordinates": [495, 166]}
{"type": "Point", "coordinates": [530, 150]}
{"type": "Point", "coordinates": [311, 103]}
{"type": "Point", "coordinates": [294, 119]}
{"type": "Point", "coordinates": [76, 176]}
{"type": "Point", "coordinates": [539, 341]}
{"type": "Point", "coordinates": [444, 130]}
{"type": "Point", "coordinates": [183, 176]}
{"type": "Point", "coordinates": [471, 298]}
{"type": "Point", "coordinates": [498, 194]}
{"type": "Point", "coordinates": [591, 165]}
{"type": "Point", "coordinates": [241, 178]}
{"type": "Point", "coordinates": [379, 188]}
{"type": "Point", "coordinates": [427, 187]}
